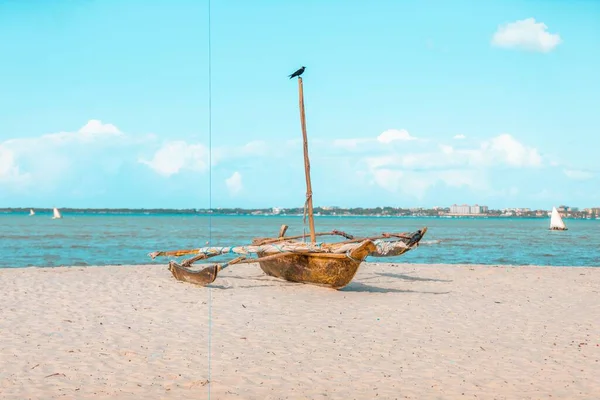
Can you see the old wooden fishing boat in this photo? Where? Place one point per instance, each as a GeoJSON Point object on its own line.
{"type": "Point", "coordinates": [324, 264]}
{"type": "Point", "coordinates": [292, 258]}
{"type": "Point", "coordinates": [332, 264]}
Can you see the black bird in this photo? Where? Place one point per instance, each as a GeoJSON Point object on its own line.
{"type": "Point", "coordinates": [297, 73]}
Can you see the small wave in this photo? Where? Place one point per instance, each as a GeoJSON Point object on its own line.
{"type": "Point", "coordinates": [430, 242]}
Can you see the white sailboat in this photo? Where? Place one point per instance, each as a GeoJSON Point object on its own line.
{"type": "Point", "coordinates": [56, 214]}
{"type": "Point", "coordinates": [556, 222]}
{"type": "Point", "coordinates": [31, 212]}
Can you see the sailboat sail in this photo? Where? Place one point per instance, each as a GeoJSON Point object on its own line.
{"type": "Point", "coordinates": [56, 214]}
{"type": "Point", "coordinates": [31, 212]}
{"type": "Point", "coordinates": [556, 222]}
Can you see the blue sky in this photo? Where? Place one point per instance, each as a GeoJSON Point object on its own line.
{"type": "Point", "coordinates": [412, 103]}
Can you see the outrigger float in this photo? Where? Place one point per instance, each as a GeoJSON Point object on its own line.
{"type": "Point", "coordinates": [292, 258]}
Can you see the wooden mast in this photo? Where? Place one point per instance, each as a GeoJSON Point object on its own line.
{"type": "Point", "coordinates": [309, 203]}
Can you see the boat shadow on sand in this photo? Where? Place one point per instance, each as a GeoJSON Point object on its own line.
{"type": "Point", "coordinates": [224, 287]}
{"type": "Point", "coordinates": [410, 278]}
{"type": "Point", "coordinates": [360, 286]}
{"type": "Point", "coordinates": [355, 286]}
{"type": "Point", "coordinates": [363, 287]}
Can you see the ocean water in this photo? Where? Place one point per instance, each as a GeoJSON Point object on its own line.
{"type": "Point", "coordinates": [105, 239]}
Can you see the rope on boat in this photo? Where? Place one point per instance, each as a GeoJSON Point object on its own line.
{"type": "Point", "coordinates": [308, 197]}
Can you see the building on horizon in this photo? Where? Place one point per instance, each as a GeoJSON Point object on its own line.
{"type": "Point", "coordinates": [466, 209]}
{"type": "Point", "coordinates": [462, 209]}
{"type": "Point", "coordinates": [516, 211]}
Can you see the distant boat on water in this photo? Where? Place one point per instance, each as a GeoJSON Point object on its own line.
{"type": "Point", "coordinates": [56, 214]}
{"type": "Point", "coordinates": [556, 222]}
{"type": "Point", "coordinates": [31, 212]}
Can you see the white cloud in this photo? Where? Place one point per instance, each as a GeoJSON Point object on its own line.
{"type": "Point", "coordinates": [93, 130]}
{"type": "Point", "coordinates": [40, 162]}
{"type": "Point", "coordinates": [87, 160]}
{"type": "Point", "coordinates": [460, 136]}
{"type": "Point", "coordinates": [416, 182]}
{"type": "Point", "coordinates": [178, 155]}
{"type": "Point", "coordinates": [91, 159]}
{"type": "Point", "coordinates": [526, 34]}
{"type": "Point", "coordinates": [507, 149]}
{"type": "Point", "coordinates": [9, 170]}
{"type": "Point", "coordinates": [500, 150]}
{"type": "Point", "coordinates": [370, 143]}
{"type": "Point", "coordinates": [95, 126]}
{"type": "Point", "coordinates": [414, 173]}
{"type": "Point", "coordinates": [578, 175]}
{"type": "Point", "coordinates": [234, 183]}
{"type": "Point", "coordinates": [392, 135]}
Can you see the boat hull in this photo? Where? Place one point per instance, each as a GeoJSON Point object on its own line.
{"type": "Point", "coordinates": [333, 273]}
{"type": "Point", "coordinates": [322, 269]}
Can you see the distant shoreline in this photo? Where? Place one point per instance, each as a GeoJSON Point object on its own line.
{"type": "Point", "coordinates": [338, 213]}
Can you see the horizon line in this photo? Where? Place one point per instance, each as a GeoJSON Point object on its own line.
{"type": "Point", "coordinates": [325, 208]}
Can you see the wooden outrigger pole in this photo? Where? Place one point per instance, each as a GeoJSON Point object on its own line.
{"type": "Point", "coordinates": [309, 203]}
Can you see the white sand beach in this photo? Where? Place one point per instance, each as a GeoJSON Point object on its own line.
{"type": "Point", "coordinates": [397, 331]}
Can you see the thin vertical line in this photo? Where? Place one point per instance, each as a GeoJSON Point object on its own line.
{"type": "Point", "coordinates": [209, 192]}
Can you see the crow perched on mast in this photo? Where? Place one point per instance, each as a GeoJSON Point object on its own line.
{"type": "Point", "coordinates": [297, 73]}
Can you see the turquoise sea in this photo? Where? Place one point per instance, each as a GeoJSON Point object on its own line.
{"type": "Point", "coordinates": [109, 239]}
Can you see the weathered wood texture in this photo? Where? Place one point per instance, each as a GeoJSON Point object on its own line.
{"type": "Point", "coordinates": [309, 200]}
{"type": "Point", "coordinates": [321, 269]}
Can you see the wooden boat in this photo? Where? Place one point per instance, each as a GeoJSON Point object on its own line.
{"type": "Point", "coordinates": [295, 263]}
{"type": "Point", "coordinates": [335, 269]}
{"type": "Point", "coordinates": [331, 265]}
{"type": "Point", "coordinates": [325, 264]}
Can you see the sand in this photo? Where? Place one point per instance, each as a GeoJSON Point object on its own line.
{"type": "Point", "coordinates": [397, 331]}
